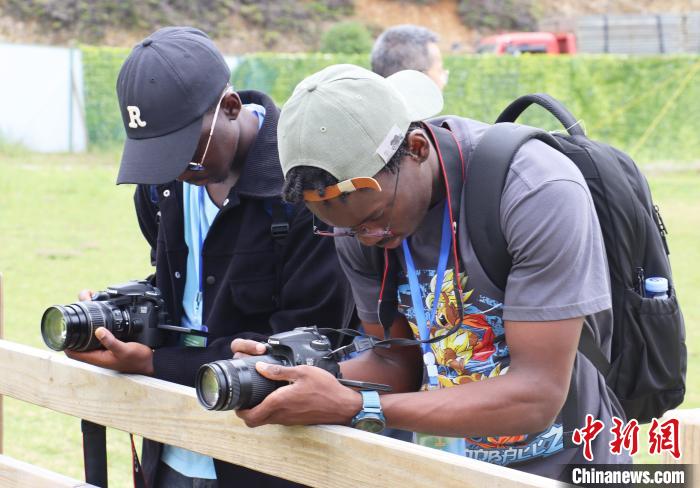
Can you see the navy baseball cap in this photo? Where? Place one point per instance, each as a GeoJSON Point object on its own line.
{"type": "Point", "coordinates": [165, 87]}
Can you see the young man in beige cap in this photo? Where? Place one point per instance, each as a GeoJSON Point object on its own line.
{"type": "Point", "coordinates": [353, 147]}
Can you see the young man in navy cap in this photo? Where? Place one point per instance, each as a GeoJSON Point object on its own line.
{"type": "Point", "coordinates": [230, 257]}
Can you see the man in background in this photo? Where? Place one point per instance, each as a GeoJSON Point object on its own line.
{"type": "Point", "coordinates": [409, 46]}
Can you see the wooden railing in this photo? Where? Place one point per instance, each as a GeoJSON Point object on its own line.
{"type": "Point", "coordinates": [15, 473]}
{"type": "Point", "coordinates": [318, 456]}
{"type": "Point", "coordinates": [327, 456]}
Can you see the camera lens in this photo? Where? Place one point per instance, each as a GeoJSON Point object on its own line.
{"type": "Point", "coordinates": [208, 386]}
{"type": "Point", "coordinates": [54, 329]}
{"type": "Point", "coordinates": [234, 384]}
{"type": "Point", "coordinates": [73, 326]}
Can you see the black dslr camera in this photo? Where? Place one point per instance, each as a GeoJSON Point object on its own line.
{"type": "Point", "coordinates": [234, 384]}
{"type": "Point", "coordinates": [132, 311]}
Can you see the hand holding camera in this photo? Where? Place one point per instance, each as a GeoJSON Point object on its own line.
{"type": "Point", "coordinates": [117, 355]}
{"type": "Point", "coordinates": [298, 394]}
{"type": "Point", "coordinates": [117, 328]}
{"type": "Point", "coordinates": [125, 357]}
{"type": "Point", "coordinates": [311, 395]}
{"type": "Point", "coordinates": [238, 384]}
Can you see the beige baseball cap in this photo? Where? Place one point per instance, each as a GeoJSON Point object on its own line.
{"type": "Point", "coordinates": [350, 121]}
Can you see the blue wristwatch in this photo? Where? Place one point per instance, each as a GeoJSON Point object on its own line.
{"type": "Point", "coordinates": [370, 418]}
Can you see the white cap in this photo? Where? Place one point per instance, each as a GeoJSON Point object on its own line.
{"type": "Point", "coordinates": [350, 121]}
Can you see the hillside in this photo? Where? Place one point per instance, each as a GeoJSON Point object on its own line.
{"type": "Point", "coordinates": [442, 16]}
{"type": "Point", "coordinates": [290, 25]}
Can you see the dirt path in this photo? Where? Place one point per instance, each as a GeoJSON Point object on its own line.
{"type": "Point", "coordinates": [439, 16]}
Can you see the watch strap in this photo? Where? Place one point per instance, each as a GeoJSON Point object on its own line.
{"type": "Point", "coordinates": [370, 401]}
{"type": "Point", "coordinates": [371, 410]}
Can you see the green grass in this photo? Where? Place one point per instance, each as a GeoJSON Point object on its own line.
{"type": "Point", "coordinates": [65, 226]}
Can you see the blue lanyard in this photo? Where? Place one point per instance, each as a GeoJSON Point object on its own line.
{"type": "Point", "coordinates": [416, 296]}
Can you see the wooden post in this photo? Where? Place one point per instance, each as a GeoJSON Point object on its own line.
{"type": "Point", "coordinates": [2, 326]}
{"type": "Point", "coordinates": [689, 436]}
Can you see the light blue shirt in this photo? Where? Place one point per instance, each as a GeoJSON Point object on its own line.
{"type": "Point", "coordinates": [199, 212]}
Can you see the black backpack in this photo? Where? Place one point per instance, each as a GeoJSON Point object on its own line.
{"type": "Point", "coordinates": [648, 360]}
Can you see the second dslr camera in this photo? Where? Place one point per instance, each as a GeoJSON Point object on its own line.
{"type": "Point", "coordinates": [234, 384]}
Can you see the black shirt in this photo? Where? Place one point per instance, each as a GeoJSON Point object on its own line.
{"type": "Point", "coordinates": [248, 293]}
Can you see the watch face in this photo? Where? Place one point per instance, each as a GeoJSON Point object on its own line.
{"type": "Point", "coordinates": [370, 424]}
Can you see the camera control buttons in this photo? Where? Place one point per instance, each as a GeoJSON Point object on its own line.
{"type": "Point", "coordinates": [319, 344]}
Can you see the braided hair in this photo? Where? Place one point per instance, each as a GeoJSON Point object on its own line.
{"type": "Point", "coordinates": [302, 178]}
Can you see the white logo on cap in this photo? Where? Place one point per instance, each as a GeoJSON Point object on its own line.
{"type": "Point", "coordinates": [390, 144]}
{"type": "Point", "coordinates": [135, 117]}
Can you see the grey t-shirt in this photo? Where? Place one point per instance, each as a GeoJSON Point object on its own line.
{"type": "Point", "coordinates": [559, 271]}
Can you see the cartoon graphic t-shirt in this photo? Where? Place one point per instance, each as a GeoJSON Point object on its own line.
{"type": "Point", "coordinates": [478, 350]}
{"type": "Point", "coordinates": [559, 272]}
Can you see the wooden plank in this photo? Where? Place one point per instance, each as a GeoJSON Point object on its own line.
{"type": "Point", "coordinates": [328, 456]}
{"type": "Point", "coordinates": [16, 474]}
{"type": "Point", "coordinates": [689, 420]}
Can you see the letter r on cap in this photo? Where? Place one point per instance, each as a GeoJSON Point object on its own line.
{"type": "Point", "coordinates": [135, 117]}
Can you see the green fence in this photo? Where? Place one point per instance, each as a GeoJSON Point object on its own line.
{"type": "Point", "coordinates": [100, 69]}
{"type": "Point", "coordinates": [647, 106]}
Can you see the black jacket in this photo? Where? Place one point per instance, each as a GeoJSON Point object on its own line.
{"type": "Point", "coordinates": [247, 292]}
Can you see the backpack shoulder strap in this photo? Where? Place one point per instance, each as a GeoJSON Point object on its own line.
{"type": "Point", "coordinates": [588, 347]}
{"type": "Point", "coordinates": [481, 196]}
{"type": "Point", "coordinates": [279, 229]}
{"type": "Point", "coordinates": [281, 214]}
{"type": "Point", "coordinates": [486, 177]}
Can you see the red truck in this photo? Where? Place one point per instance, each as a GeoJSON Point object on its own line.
{"type": "Point", "coordinates": [528, 42]}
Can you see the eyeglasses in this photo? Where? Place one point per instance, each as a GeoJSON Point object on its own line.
{"type": "Point", "coordinates": [192, 166]}
{"type": "Point", "coordinates": [362, 232]}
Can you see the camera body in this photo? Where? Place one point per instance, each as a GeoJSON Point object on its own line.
{"type": "Point", "coordinates": [303, 345]}
{"type": "Point", "coordinates": [234, 384]}
{"type": "Point", "coordinates": [133, 311]}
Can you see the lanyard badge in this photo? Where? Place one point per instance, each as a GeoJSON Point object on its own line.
{"type": "Point", "coordinates": [422, 320]}
{"type": "Point", "coordinates": [386, 306]}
